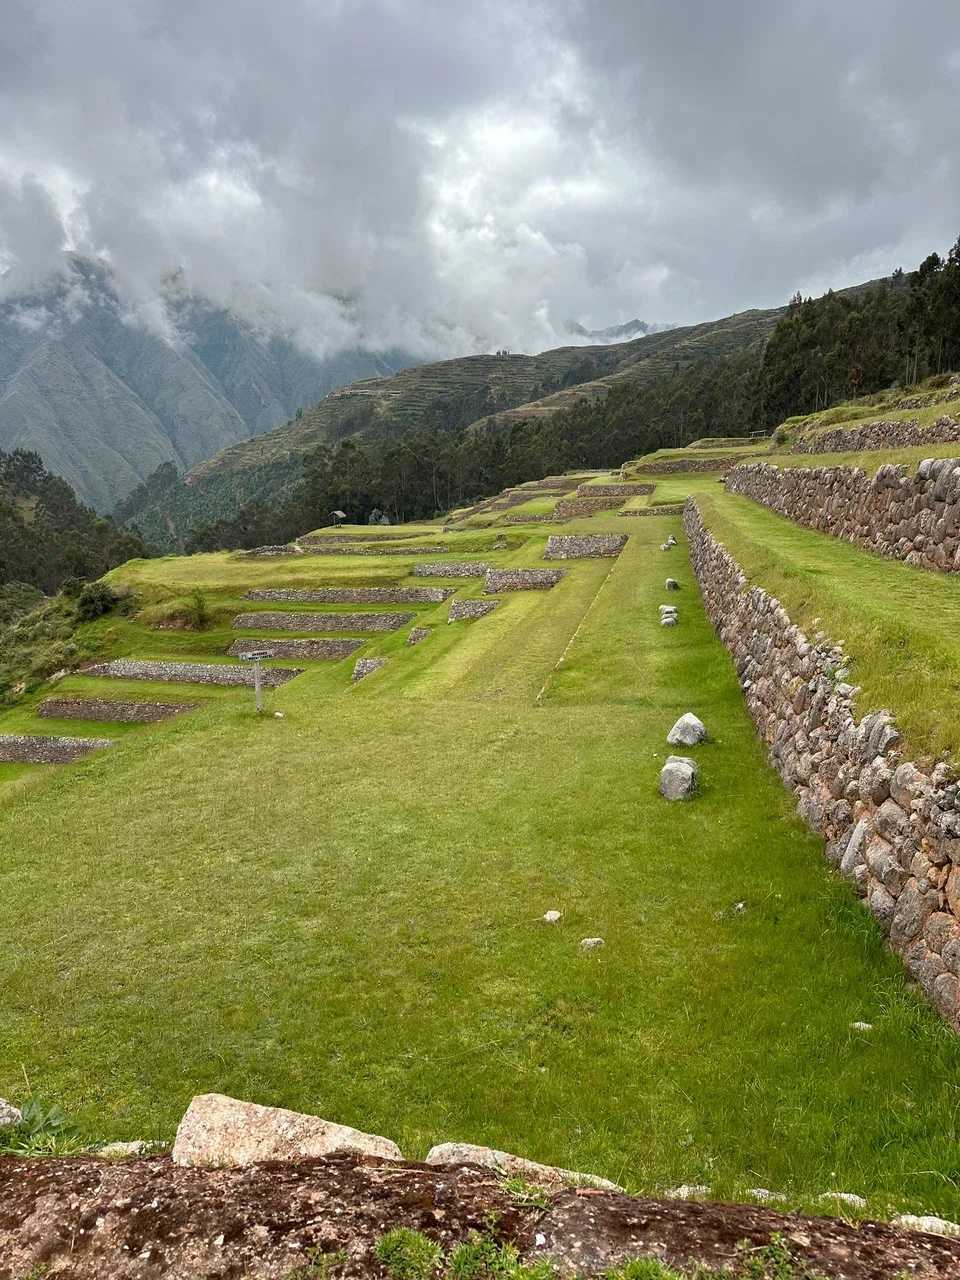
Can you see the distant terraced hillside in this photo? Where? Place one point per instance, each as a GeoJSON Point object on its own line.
{"type": "Point", "coordinates": [475, 392]}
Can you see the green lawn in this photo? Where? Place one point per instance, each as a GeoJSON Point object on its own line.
{"type": "Point", "coordinates": [900, 624]}
{"type": "Point", "coordinates": [339, 911]}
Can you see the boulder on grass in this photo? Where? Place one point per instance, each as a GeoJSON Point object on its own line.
{"type": "Point", "coordinates": [218, 1131]}
{"type": "Point", "coordinates": [672, 584]}
{"type": "Point", "coordinates": [9, 1114]}
{"type": "Point", "coordinates": [687, 732]}
{"type": "Point", "coordinates": [678, 778]}
{"type": "Point", "coordinates": [514, 1166]}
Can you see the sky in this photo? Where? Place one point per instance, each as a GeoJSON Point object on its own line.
{"type": "Point", "coordinates": [449, 177]}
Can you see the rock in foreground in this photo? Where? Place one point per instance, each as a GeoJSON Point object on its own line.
{"type": "Point", "coordinates": [678, 778]}
{"type": "Point", "coordinates": [218, 1131]}
{"type": "Point", "coordinates": [88, 1219]}
{"type": "Point", "coordinates": [514, 1166]}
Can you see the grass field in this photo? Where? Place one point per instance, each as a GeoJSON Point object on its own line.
{"type": "Point", "coordinates": [340, 911]}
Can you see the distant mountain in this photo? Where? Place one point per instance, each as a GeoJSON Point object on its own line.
{"type": "Point", "coordinates": [617, 332]}
{"type": "Point", "coordinates": [480, 393]}
{"type": "Point", "coordinates": [105, 400]}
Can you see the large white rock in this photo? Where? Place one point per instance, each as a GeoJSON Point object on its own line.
{"type": "Point", "coordinates": [221, 1131]}
{"type": "Point", "coordinates": [926, 1222]}
{"type": "Point", "coordinates": [678, 778]}
{"type": "Point", "coordinates": [687, 732]}
{"type": "Point", "coordinates": [9, 1114]}
{"type": "Point", "coordinates": [514, 1166]}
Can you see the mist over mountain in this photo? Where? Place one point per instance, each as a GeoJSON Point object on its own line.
{"type": "Point", "coordinates": [616, 332]}
{"type": "Point", "coordinates": [105, 394]}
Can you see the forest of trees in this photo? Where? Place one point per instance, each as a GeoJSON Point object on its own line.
{"type": "Point", "coordinates": [822, 351]}
{"type": "Point", "coordinates": [47, 535]}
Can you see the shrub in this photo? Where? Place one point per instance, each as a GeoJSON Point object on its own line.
{"type": "Point", "coordinates": [197, 612]}
{"type": "Point", "coordinates": [96, 599]}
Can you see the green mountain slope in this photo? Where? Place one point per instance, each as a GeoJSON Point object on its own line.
{"type": "Point", "coordinates": [105, 401]}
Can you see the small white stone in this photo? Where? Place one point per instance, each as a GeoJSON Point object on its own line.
{"type": "Point", "coordinates": [687, 1191]}
{"type": "Point", "coordinates": [278, 715]}
{"type": "Point", "coordinates": [765, 1195]}
{"type": "Point", "coordinates": [539, 1239]}
{"type": "Point", "coordinates": [590, 944]}
{"type": "Point", "coordinates": [926, 1222]}
{"type": "Point", "coordinates": [861, 1026]}
{"type": "Point", "coordinates": [552, 917]}
{"type": "Point", "coordinates": [845, 1197]}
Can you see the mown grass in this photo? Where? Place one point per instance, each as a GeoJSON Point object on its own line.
{"type": "Point", "coordinates": [340, 911]}
{"type": "Point", "coordinates": [899, 624]}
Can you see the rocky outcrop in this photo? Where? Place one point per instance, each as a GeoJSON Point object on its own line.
{"type": "Point", "coordinates": [217, 1131]}
{"type": "Point", "coordinates": [892, 828]}
{"type": "Point", "coordinates": [89, 1219]}
{"type": "Point", "coordinates": [583, 546]}
{"type": "Point", "coordinates": [880, 435]}
{"type": "Point", "coordinates": [908, 515]}
{"type": "Point", "coordinates": [321, 621]}
{"type": "Point", "coordinates": [521, 580]}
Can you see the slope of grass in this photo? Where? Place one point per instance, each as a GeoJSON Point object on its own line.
{"type": "Point", "coordinates": [340, 911]}
{"type": "Point", "coordinates": [900, 625]}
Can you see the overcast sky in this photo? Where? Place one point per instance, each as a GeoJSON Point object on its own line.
{"type": "Point", "coordinates": [458, 176]}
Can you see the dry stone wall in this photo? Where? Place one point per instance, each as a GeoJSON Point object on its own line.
{"type": "Point", "coordinates": [892, 828]}
{"type": "Point", "coordinates": [911, 516]}
{"type": "Point", "coordinates": [321, 621]}
{"type": "Point", "coordinates": [613, 490]}
{"type": "Point", "coordinates": [325, 650]}
{"type": "Point", "coordinates": [670, 466]}
{"type": "Point", "coordinates": [521, 580]}
{"type": "Point", "coordinates": [111, 710]}
{"type": "Point", "coordinates": [880, 435]}
{"type": "Point", "coordinates": [451, 569]}
{"type": "Point", "coordinates": [583, 546]}
{"type": "Point", "coordinates": [667, 509]}
{"type": "Point", "coordinates": [567, 508]}
{"type": "Point", "coordinates": [354, 595]}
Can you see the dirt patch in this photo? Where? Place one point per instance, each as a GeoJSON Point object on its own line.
{"type": "Point", "coordinates": [111, 709]}
{"type": "Point", "coordinates": [23, 748]}
{"type": "Point", "coordinates": [86, 1219]}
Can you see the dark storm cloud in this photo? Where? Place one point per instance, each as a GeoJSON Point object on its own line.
{"type": "Point", "coordinates": [441, 175]}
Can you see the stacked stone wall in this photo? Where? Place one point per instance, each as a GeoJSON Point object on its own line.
{"type": "Point", "coordinates": [583, 546]}
{"type": "Point", "coordinates": [321, 621]}
{"type": "Point", "coordinates": [667, 509]}
{"type": "Point", "coordinates": [891, 827]}
{"type": "Point", "coordinates": [354, 595]}
{"type": "Point", "coordinates": [570, 507]}
{"type": "Point", "coordinates": [613, 490]}
{"type": "Point", "coordinates": [451, 569]}
{"type": "Point", "coordinates": [521, 580]}
{"type": "Point", "coordinates": [880, 435]}
{"type": "Point", "coordinates": [670, 466]}
{"type": "Point", "coordinates": [911, 516]}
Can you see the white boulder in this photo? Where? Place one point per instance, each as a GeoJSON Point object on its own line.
{"type": "Point", "coordinates": [219, 1131]}
{"type": "Point", "coordinates": [687, 732]}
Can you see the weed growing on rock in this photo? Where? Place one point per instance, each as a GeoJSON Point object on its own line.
{"type": "Point", "coordinates": [408, 1254]}
{"type": "Point", "coordinates": [528, 1195]}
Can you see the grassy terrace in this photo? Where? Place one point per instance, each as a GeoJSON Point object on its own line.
{"type": "Point", "coordinates": [901, 625]}
{"type": "Point", "coordinates": [340, 911]}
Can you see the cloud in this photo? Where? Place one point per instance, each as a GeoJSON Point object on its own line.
{"type": "Point", "coordinates": [450, 178]}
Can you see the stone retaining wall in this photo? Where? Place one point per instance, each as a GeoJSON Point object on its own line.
{"type": "Point", "coordinates": [880, 435]}
{"type": "Point", "coordinates": [23, 748]}
{"type": "Point", "coordinates": [670, 466]}
{"type": "Point", "coordinates": [330, 650]}
{"type": "Point", "coordinates": [111, 710]}
{"type": "Point", "coordinates": [355, 595]}
{"type": "Point", "coordinates": [321, 621]}
{"type": "Point", "coordinates": [892, 828]}
{"type": "Point", "coordinates": [220, 673]}
{"type": "Point", "coordinates": [521, 580]}
{"type": "Point", "coordinates": [567, 508]}
{"type": "Point", "coordinates": [464, 610]}
{"type": "Point", "coordinates": [668, 509]}
{"type": "Point", "coordinates": [613, 490]}
{"type": "Point", "coordinates": [583, 546]}
{"type": "Point", "coordinates": [911, 516]}
{"type": "Point", "coordinates": [451, 569]}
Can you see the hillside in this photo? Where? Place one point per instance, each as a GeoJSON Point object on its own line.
{"type": "Point", "coordinates": [394, 843]}
{"type": "Point", "coordinates": [479, 393]}
{"type": "Point", "coordinates": [105, 400]}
